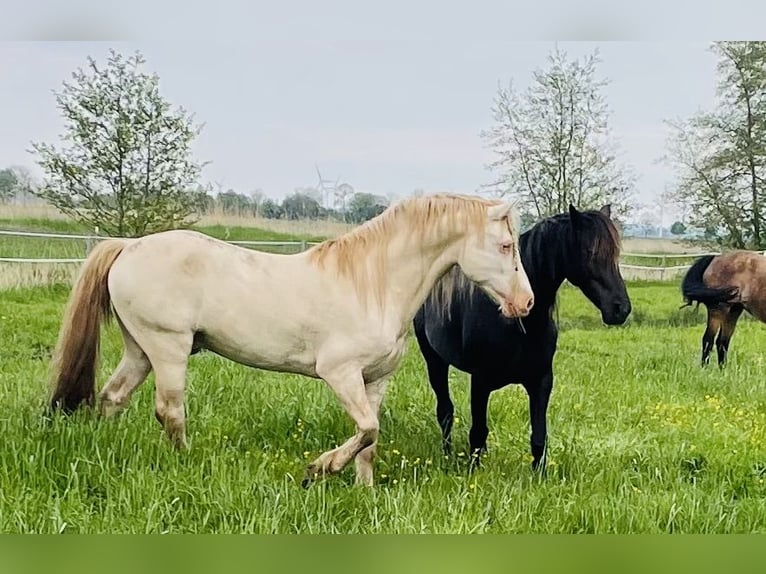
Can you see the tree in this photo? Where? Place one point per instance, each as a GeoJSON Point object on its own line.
{"type": "Point", "coordinates": [16, 184]}
{"type": "Point", "coordinates": [8, 183]}
{"type": "Point", "coordinates": [365, 206]}
{"type": "Point", "coordinates": [527, 220]}
{"type": "Point", "coordinates": [271, 209]}
{"type": "Point", "coordinates": [648, 218]}
{"type": "Point", "coordinates": [342, 193]}
{"type": "Point", "coordinates": [551, 142]}
{"type": "Point", "coordinates": [128, 167]}
{"type": "Point", "coordinates": [301, 205]}
{"type": "Point", "coordinates": [720, 154]}
{"type": "Point", "coordinates": [678, 228]}
{"type": "Point", "coordinates": [233, 203]}
{"type": "Point", "coordinates": [257, 198]}
{"type": "Point", "coordinates": [311, 192]}
{"type": "Point", "coordinates": [201, 200]}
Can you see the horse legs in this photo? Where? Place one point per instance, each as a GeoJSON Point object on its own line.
{"type": "Point", "coordinates": [728, 325]}
{"type": "Point", "coordinates": [539, 394]}
{"type": "Point", "coordinates": [715, 317]}
{"type": "Point", "coordinates": [477, 436]}
{"type": "Point", "coordinates": [130, 373]}
{"type": "Point", "coordinates": [375, 392]}
{"type": "Point", "coordinates": [438, 377]}
{"type": "Point", "coordinates": [168, 353]}
{"type": "Point", "coordinates": [169, 399]}
{"type": "Point", "coordinates": [348, 384]}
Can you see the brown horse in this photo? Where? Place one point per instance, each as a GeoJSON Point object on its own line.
{"type": "Point", "coordinates": [726, 284]}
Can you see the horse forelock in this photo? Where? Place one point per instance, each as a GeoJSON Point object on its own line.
{"type": "Point", "coordinates": [597, 233]}
{"type": "Point", "coordinates": [606, 242]}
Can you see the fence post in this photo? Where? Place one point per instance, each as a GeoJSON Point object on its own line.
{"type": "Point", "coordinates": [303, 245]}
{"type": "Point", "coordinates": [90, 242]}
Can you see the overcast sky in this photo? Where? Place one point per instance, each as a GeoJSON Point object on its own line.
{"type": "Point", "coordinates": [386, 116]}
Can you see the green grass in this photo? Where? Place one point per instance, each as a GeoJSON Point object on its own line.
{"type": "Point", "coordinates": [641, 440]}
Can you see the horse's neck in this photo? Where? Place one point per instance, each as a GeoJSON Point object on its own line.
{"type": "Point", "coordinates": [414, 268]}
{"type": "Point", "coordinates": [545, 262]}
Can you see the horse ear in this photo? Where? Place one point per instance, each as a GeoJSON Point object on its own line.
{"type": "Point", "coordinates": [499, 211]}
{"type": "Point", "coordinates": [575, 217]}
{"type": "Point", "coordinates": [607, 210]}
{"type": "Point", "coordinates": [573, 213]}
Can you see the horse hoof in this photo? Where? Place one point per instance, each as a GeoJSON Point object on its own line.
{"type": "Point", "coordinates": [474, 462]}
{"type": "Point", "coordinates": [312, 473]}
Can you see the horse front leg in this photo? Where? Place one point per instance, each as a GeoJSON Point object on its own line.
{"type": "Point", "coordinates": [348, 385]}
{"type": "Point", "coordinates": [480, 391]}
{"type": "Point", "coordinates": [539, 394]}
{"type": "Point", "coordinates": [375, 392]}
{"type": "Point", "coordinates": [438, 377]}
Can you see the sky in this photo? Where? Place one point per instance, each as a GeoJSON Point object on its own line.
{"type": "Point", "coordinates": [386, 114]}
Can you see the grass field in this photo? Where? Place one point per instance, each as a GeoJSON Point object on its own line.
{"type": "Point", "coordinates": [641, 440]}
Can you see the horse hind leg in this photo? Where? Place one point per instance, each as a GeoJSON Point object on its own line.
{"type": "Point", "coordinates": [727, 331]}
{"type": "Point", "coordinates": [168, 353]}
{"type": "Point", "coordinates": [169, 399]}
{"type": "Point", "coordinates": [133, 369]}
{"type": "Point", "coordinates": [715, 318]}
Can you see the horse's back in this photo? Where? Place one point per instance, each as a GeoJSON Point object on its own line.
{"type": "Point", "coordinates": [184, 277]}
{"type": "Point", "coordinates": [745, 270]}
{"type": "Point", "coordinates": [178, 257]}
{"type": "Point", "coordinates": [738, 268]}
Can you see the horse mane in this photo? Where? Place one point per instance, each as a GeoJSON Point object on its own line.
{"type": "Point", "coordinates": [360, 254]}
{"type": "Point", "coordinates": [599, 236]}
{"type": "Point", "coordinates": [454, 281]}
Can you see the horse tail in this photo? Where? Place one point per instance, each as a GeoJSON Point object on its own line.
{"type": "Point", "coordinates": [76, 354]}
{"type": "Point", "coordinates": [694, 289]}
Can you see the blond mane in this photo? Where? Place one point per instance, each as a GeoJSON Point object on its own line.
{"type": "Point", "coordinates": [361, 253]}
{"type": "Point", "coordinates": [439, 301]}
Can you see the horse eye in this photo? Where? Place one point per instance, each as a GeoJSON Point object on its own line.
{"type": "Point", "coordinates": [505, 248]}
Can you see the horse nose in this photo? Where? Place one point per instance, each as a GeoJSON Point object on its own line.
{"type": "Point", "coordinates": [530, 303]}
{"type": "Point", "coordinates": [622, 307]}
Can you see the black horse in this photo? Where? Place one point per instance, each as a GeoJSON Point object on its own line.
{"type": "Point", "coordinates": [468, 332]}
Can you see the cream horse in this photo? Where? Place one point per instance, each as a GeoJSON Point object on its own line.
{"type": "Point", "coordinates": [339, 311]}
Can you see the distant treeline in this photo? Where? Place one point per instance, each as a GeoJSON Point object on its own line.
{"type": "Point", "coordinates": [358, 208]}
